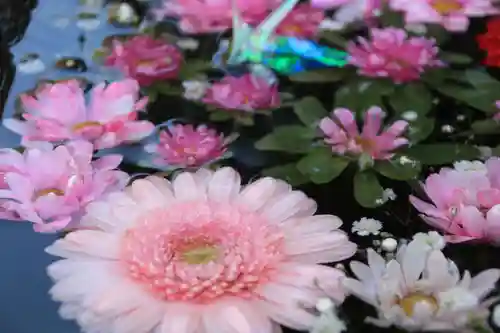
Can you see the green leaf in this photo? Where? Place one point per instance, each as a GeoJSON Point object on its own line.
{"type": "Point", "coordinates": [455, 58]}
{"type": "Point", "coordinates": [487, 126]}
{"type": "Point", "coordinates": [310, 110]}
{"type": "Point", "coordinates": [220, 115]}
{"type": "Point", "coordinates": [437, 31]}
{"type": "Point", "coordinates": [245, 119]}
{"type": "Point", "coordinates": [288, 138]}
{"type": "Point", "coordinates": [420, 129]}
{"type": "Point", "coordinates": [334, 38]}
{"type": "Point", "coordinates": [413, 96]}
{"type": "Point", "coordinates": [288, 173]}
{"type": "Point", "coordinates": [479, 78]}
{"type": "Point", "coordinates": [360, 94]}
{"type": "Point", "coordinates": [164, 88]}
{"type": "Point", "coordinates": [482, 98]}
{"type": "Point", "coordinates": [321, 166]}
{"type": "Point", "coordinates": [442, 153]}
{"type": "Point", "coordinates": [367, 189]}
{"type": "Point", "coordinates": [320, 75]}
{"type": "Point", "coordinates": [391, 18]}
{"type": "Point", "coordinates": [193, 69]}
{"type": "Point", "coordinates": [394, 169]}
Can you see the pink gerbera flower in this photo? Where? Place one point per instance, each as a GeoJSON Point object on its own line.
{"type": "Point", "coordinates": [343, 136]}
{"type": "Point", "coordinates": [452, 14]}
{"type": "Point", "coordinates": [200, 254]}
{"type": "Point", "coordinates": [391, 53]}
{"type": "Point", "coordinates": [58, 112]}
{"type": "Point", "coordinates": [187, 146]}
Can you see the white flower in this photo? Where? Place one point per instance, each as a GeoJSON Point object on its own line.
{"type": "Point", "coordinates": [388, 194]}
{"type": "Point", "coordinates": [188, 44]}
{"type": "Point", "coordinates": [431, 240]}
{"type": "Point", "coordinates": [332, 25]}
{"type": "Point", "coordinates": [475, 166]}
{"type": "Point", "coordinates": [420, 290]}
{"type": "Point", "coordinates": [366, 226]}
{"type": "Point", "coordinates": [419, 29]}
{"type": "Point", "coordinates": [485, 152]}
{"type": "Point", "coordinates": [328, 321]}
{"type": "Point", "coordinates": [194, 90]}
{"type": "Point", "coordinates": [495, 318]}
{"type": "Point", "coordinates": [31, 66]}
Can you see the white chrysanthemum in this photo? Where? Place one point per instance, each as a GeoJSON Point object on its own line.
{"type": "Point", "coordinates": [431, 240]}
{"type": "Point", "coordinates": [476, 166]}
{"type": "Point", "coordinates": [328, 321]}
{"type": "Point", "coordinates": [420, 290]}
{"type": "Point", "coordinates": [366, 226]}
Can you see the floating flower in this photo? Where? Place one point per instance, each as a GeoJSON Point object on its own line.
{"type": "Point", "coordinates": [391, 53]}
{"type": "Point", "coordinates": [431, 240]}
{"type": "Point", "coordinates": [465, 202]}
{"type": "Point", "coordinates": [195, 89]}
{"type": "Point", "coordinates": [57, 112]}
{"type": "Point", "coordinates": [187, 146]}
{"type": "Point", "coordinates": [247, 92]}
{"type": "Point", "coordinates": [328, 321]}
{"type": "Point", "coordinates": [490, 43]}
{"type": "Point", "coordinates": [199, 16]}
{"type": "Point", "coordinates": [343, 136]}
{"type": "Point", "coordinates": [302, 21]}
{"type": "Point", "coordinates": [421, 290]}
{"type": "Point", "coordinates": [200, 254]}
{"type": "Point", "coordinates": [145, 59]}
{"type": "Point", "coordinates": [366, 226]}
{"type": "Point", "coordinates": [52, 187]}
{"type": "Point", "coordinates": [451, 14]}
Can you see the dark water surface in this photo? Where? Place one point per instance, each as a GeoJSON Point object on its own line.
{"type": "Point", "coordinates": [25, 306]}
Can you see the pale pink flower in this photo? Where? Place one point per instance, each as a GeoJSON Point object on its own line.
{"type": "Point", "coordinates": [451, 14]}
{"type": "Point", "coordinates": [302, 21]}
{"type": "Point", "coordinates": [52, 187]}
{"type": "Point", "coordinates": [199, 254]}
{"type": "Point", "coordinates": [391, 53]}
{"type": "Point", "coordinates": [247, 92]}
{"type": "Point", "coordinates": [348, 11]}
{"type": "Point", "coordinates": [57, 112]}
{"type": "Point", "coordinates": [145, 59]}
{"type": "Point", "coordinates": [201, 16]}
{"type": "Point", "coordinates": [187, 146]}
{"type": "Point", "coordinates": [497, 116]}
{"type": "Point", "coordinates": [422, 290]}
{"type": "Point", "coordinates": [343, 136]}
{"type": "Point", "coordinates": [465, 201]}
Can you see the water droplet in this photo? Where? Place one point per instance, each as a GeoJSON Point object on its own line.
{"type": "Point", "coordinates": [389, 244]}
{"type": "Point", "coordinates": [447, 129]}
{"type": "Point", "coordinates": [72, 64]}
{"type": "Point", "coordinates": [409, 115]}
{"type": "Point", "coordinates": [31, 64]}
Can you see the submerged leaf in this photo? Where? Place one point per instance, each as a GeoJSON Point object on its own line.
{"type": "Point", "coordinates": [321, 166]}
{"type": "Point", "coordinates": [367, 189]}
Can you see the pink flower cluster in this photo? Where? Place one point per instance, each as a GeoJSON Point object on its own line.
{"type": "Point", "coordinates": [145, 59]}
{"type": "Point", "coordinates": [343, 136]}
{"type": "Point", "coordinates": [247, 92]}
{"type": "Point", "coordinates": [51, 187]}
{"type": "Point", "coordinates": [391, 53]}
{"type": "Point", "coordinates": [465, 201]}
{"type": "Point", "coordinates": [58, 112]}
{"type": "Point", "coordinates": [452, 14]}
{"type": "Point", "coordinates": [187, 146]}
{"type": "Point", "coordinates": [200, 16]}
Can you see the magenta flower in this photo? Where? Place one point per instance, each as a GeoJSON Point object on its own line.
{"type": "Point", "coordinates": [187, 146]}
{"type": "Point", "coordinates": [343, 136]}
{"type": "Point", "coordinates": [57, 112]}
{"type": "Point", "coordinates": [497, 115]}
{"type": "Point", "coordinates": [302, 21]}
{"type": "Point", "coordinates": [451, 14]}
{"type": "Point", "coordinates": [391, 53]}
{"type": "Point", "coordinates": [247, 93]}
{"type": "Point", "coordinates": [465, 201]}
{"type": "Point", "coordinates": [52, 187]}
{"type": "Point", "coordinates": [199, 16]}
{"type": "Point", "coordinates": [145, 59]}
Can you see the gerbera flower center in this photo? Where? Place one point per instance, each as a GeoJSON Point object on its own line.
{"type": "Point", "coordinates": [48, 191]}
{"type": "Point", "coordinates": [85, 124]}
{"type": "Point", "coordinates": [444, 7]}
{"type": "Point", "coordinates": [199, 251]}
{"type": "Point", "coordinates": [366, 144]}
{"type": "Point", "coordinates": [409, 302]}
{"type": "Point", "coordinates": [292, 28]}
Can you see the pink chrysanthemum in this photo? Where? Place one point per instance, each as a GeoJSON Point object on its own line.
{"type": "Point", "coordinates": [391, 53]}
{"type": "Point", "coordinates": [58, 112]}
{"type": "Point", "coordinates": [200, 254]}
{"type": "Point", "coordinates": [451, 14]}
{"type": "Point", "coordinates": [302, 21]}
{"type": "Point", "coordinates": [52, 187]}
{"type": "Point", "coordinates": [497, 115]}
{"type": "Point", "coordinates": [186, 146]}
{"type": "Point", "coordinates": [342, 134]}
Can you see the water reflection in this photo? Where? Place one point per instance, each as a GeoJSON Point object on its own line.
{"type": "Point", "coordinates": [54, 34]}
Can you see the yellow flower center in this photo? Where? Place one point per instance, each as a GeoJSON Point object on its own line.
{"type": "Point", "coordinates": [85, 124]}
{"type": "Point", "coordinates": [48, 191]}
{"type": "Point", "coordinates": [408, 302]}
{"type": "Point", "coordinates": [444, 7]}
{"type": "Point", "coordinates": [200, 254]}
{"type": "Point", "coordinates": [292, 28]}
{"type": "Point", "coordinates": [366, 144]}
